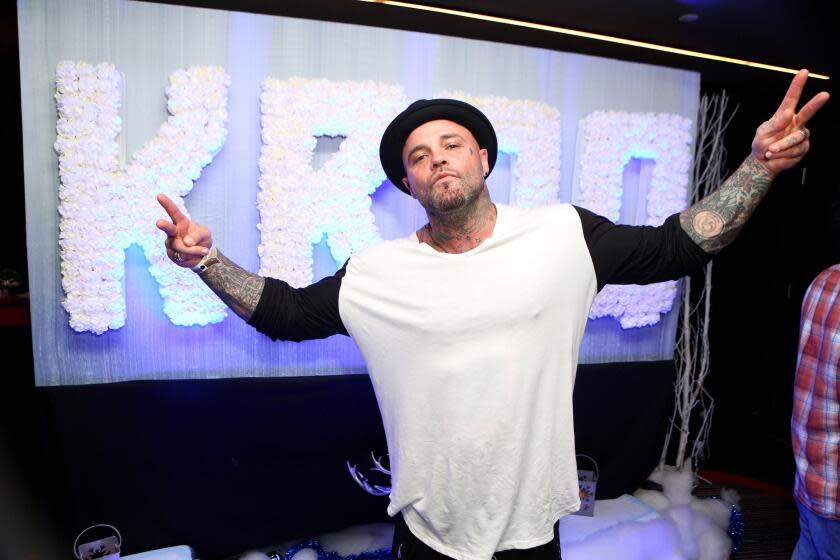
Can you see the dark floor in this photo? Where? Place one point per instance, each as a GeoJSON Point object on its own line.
{"type": "Point", "coordinates": [771, 521]}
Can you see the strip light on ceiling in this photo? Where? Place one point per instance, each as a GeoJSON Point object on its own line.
{"type": "Point", "coordinates": [587, 35]}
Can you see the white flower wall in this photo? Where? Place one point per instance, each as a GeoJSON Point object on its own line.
{"type": "Point", "coordinates": [104, 208]}
{"type": "Point", "coordinates": [299, 204]}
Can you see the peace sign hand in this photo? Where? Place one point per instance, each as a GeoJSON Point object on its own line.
{"type": "Point", "coordinates": [781, 142]}
{"type": "Point", "coordinates": [186, 241]}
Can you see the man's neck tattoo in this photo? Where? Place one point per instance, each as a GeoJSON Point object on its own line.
{"type": "Point", "coordinates": [462, 237]}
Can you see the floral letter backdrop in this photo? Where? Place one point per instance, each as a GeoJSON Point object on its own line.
{"type": "Point", "coordinates": [105, 209]}
{"type": "Point", "coordinates": [298, 204]}
{"type": "Point", "coordinates": [610, 141]}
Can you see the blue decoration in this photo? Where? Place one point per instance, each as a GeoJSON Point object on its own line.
{"type": "Point", "coordinates": [736, 528]}
{"type": "Point", "coordinates": [314, 544]}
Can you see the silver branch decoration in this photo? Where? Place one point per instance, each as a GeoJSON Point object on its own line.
{"type": "Point", "coordinates": [692, 400]}
{"type": "Point", "coordinates": [368, 486]}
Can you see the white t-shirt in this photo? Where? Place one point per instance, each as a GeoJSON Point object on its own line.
{"type": "Point", "coordinates": [473, 357]}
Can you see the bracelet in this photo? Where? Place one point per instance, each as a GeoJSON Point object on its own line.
{"type": "Point", "coordinates": [206, 261]}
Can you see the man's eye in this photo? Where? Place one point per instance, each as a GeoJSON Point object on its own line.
{"type": "Point", "coordinates": [451, 146]}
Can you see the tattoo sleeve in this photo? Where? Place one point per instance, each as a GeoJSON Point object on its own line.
{"type": "Point", "coordinates": [717, 219]}
{"type": "Point", "coordinates": [238, 288]}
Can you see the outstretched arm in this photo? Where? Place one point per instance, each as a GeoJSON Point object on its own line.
{"type": "Point", "coordinates": [779, 144]}
{"type": "Point", "coordinates": [187, 242]}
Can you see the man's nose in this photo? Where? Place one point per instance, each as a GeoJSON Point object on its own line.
{"type": "Point", "coordinates": [438, 159]}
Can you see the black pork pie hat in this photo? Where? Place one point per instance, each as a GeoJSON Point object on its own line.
{"type": "Point", "coordinates": [423, 111]}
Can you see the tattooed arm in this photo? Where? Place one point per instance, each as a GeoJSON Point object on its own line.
{"type": "Point", "coordinates": [238, 288]}
{"type": "Point", "coordinates": [779, 144]}
{"type": "Point", "coordinates": [714, 222]}
{"type": "Point", "coordinates": [267, 304]}
{"type": "Point", "coordinates": [187, 242]}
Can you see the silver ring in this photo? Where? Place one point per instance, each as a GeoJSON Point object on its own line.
{"type": "Point", "coordinates": [177, 257]}
{"type": "Point", "coordinates": [804, 133]}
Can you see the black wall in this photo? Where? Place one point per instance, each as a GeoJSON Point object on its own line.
{"type": "Point", "coordinates": [12, 228]}
{"type": "Point", "coordinates": [759, 283]}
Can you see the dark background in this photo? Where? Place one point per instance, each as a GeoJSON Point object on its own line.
{"type": "Point", "coordinates": [759, 281]}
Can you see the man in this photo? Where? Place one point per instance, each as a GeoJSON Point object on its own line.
{"type": "Point", "coordinates": [471, 327]}
{"type": "Point", "coordinates": [815, 425]}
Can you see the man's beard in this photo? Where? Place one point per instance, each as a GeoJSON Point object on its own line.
{"type": "Point", "coordinates": [457, 194]}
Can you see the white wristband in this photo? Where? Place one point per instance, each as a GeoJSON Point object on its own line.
{"type": "Point", "coordinates": [206, 261]}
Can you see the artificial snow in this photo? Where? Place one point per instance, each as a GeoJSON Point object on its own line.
{"type": "Point", "coordinates": [650, 525]}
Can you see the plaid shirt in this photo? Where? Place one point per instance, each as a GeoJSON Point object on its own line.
{"type": "Point", "coordinates": [815, 425]}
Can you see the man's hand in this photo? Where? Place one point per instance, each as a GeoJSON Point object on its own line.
{"type": "Point", "coordinates": [781, 142]}
{"type": "Point", "coordinates": [186, 241]}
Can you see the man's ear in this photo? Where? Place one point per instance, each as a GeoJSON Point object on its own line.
{"type": "Point", "coordinates": [485, 164]}
{"type": "Point", "coordinates": [408, 187]}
